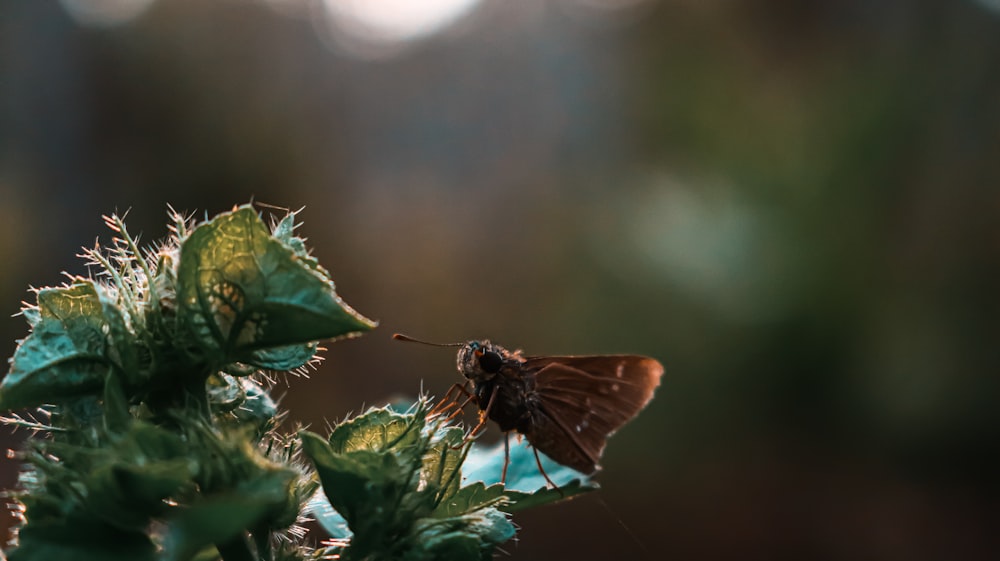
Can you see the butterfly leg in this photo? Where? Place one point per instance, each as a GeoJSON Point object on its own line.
{"type": "Point", "coordinates": [449, 403]}
{"type": "Point", "coordinates": [484, 416]}
{"type": "Point", "coordinates": [449, 400]}
{"type": "Point", "coordinates": [506, 457]}
{"type": "Point", "coordinates": [459, 409]}
{"type": "Point", "coordinates": [541, 470]}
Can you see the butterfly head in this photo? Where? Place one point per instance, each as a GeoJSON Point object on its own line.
{"type": "Point", "coordinates": [480, 361]}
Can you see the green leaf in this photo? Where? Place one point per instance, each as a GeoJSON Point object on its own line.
{"type": "Point", "coordinates": [377, 429]}
{"type": "Point", "coordinates": [146, 460]}
{"type": "Point", "coordinates": [81, 538]}
{"type": "Point", "coordinates": [362, 485]}
{"type": "Point", "coordinates": [288, 357]}
{"type": "Point", "coordinates": [126, 481]}
{"type": "Point", "coordinates": [243, 292]}
{"type": "Point", "coordinates": [471, 536]}
{"type": "Point", "coordinates": [225, 517]}
{"type": "Point", "coordinates": [123, 346]}
{"type": "Point", "coordinates": [471, 498]}
{"type": "Point", "coordinates": [371, 469]}
{"type": "Point", "coordinates": [525, 486]}
{"type": "Point", "coordinates": [116, 413]}
{"type": "Point", "coordinates": [440, 473]}
{"type": "Point", "coordinates": [220, 519]}
{"type": "Point", "coordinates": [492, 526]}
{"type": "Point", "coordinates": [382, 511]}
{"type": "Point", "coordinates": [325, 515]}
{"type": "Point", "coordinates": [127, 496]}
{"type": "Point", "coordinates": [517, 501]}
{"type": "Point", "coordinates": [243, 399]}
{"type": "Point", "coordinates": [225, 392]}
{"type": "Point", "coordinates": [149, 442]}
{"type": "Point", "coordinates": [67, 353]}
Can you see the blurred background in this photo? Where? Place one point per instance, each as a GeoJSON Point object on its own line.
{"type": "Point", "coordinates": [794, 205]}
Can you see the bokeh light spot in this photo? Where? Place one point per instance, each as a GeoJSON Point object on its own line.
{"type": "Point", "coordinates": [105, 13]}
{"type": "Point", "coordinates": [388, 23]}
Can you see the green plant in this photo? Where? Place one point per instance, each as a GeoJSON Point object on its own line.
{"type": "Point", "coordinates": [157, 437]}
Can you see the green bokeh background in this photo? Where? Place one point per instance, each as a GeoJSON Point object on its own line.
{"type": "Point", "coordinates": [795, 206]}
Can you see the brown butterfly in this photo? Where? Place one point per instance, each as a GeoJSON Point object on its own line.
{"type": "Point", "coordinates": [566, 406]}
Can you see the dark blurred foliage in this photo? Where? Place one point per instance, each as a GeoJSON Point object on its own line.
{"type": "Point", "coordinates": [794, 205]}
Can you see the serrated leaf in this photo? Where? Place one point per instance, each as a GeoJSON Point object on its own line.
{"type": "Point", "coordinates": [441, 466]}
{"type": "Point", "coordinates": [123, 346]}
{"type": "Point", "coordinates": [66, 354]}
{"type": "Point", "coordinates": [380, 472]}
{"type": "Point", "coordinates": [525, 486]}
{"type": "Point", "coordinates": [377, 429]}
{"type": "Point", "coordinates": [284, 231]}
{"type": "Point", "coordinates": [367, 468]}
{"type": "Point", "coordinates": [517, 501]}
{"type": "Point", "coordinates": [288, 357]}
{"type": "Point", "coordinates": [471, 498]}
{"type": "Point", "coordinates": [242, 291]}
{"type": "Point", "coordinates": [359, 483]}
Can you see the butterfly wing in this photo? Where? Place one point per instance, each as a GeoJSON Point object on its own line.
{"type": "Point", "coordinates": [582, 400]}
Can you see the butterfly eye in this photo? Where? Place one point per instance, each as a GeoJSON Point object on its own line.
{"type": "Point", "coordinates": [490, 362]}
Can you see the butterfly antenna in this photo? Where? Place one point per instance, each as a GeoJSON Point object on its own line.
{"type": "Point", "coordinates": [408, 339]}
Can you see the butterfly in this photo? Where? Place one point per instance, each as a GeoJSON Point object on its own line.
{"type": "Point", "coordinates": [565, 406]}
